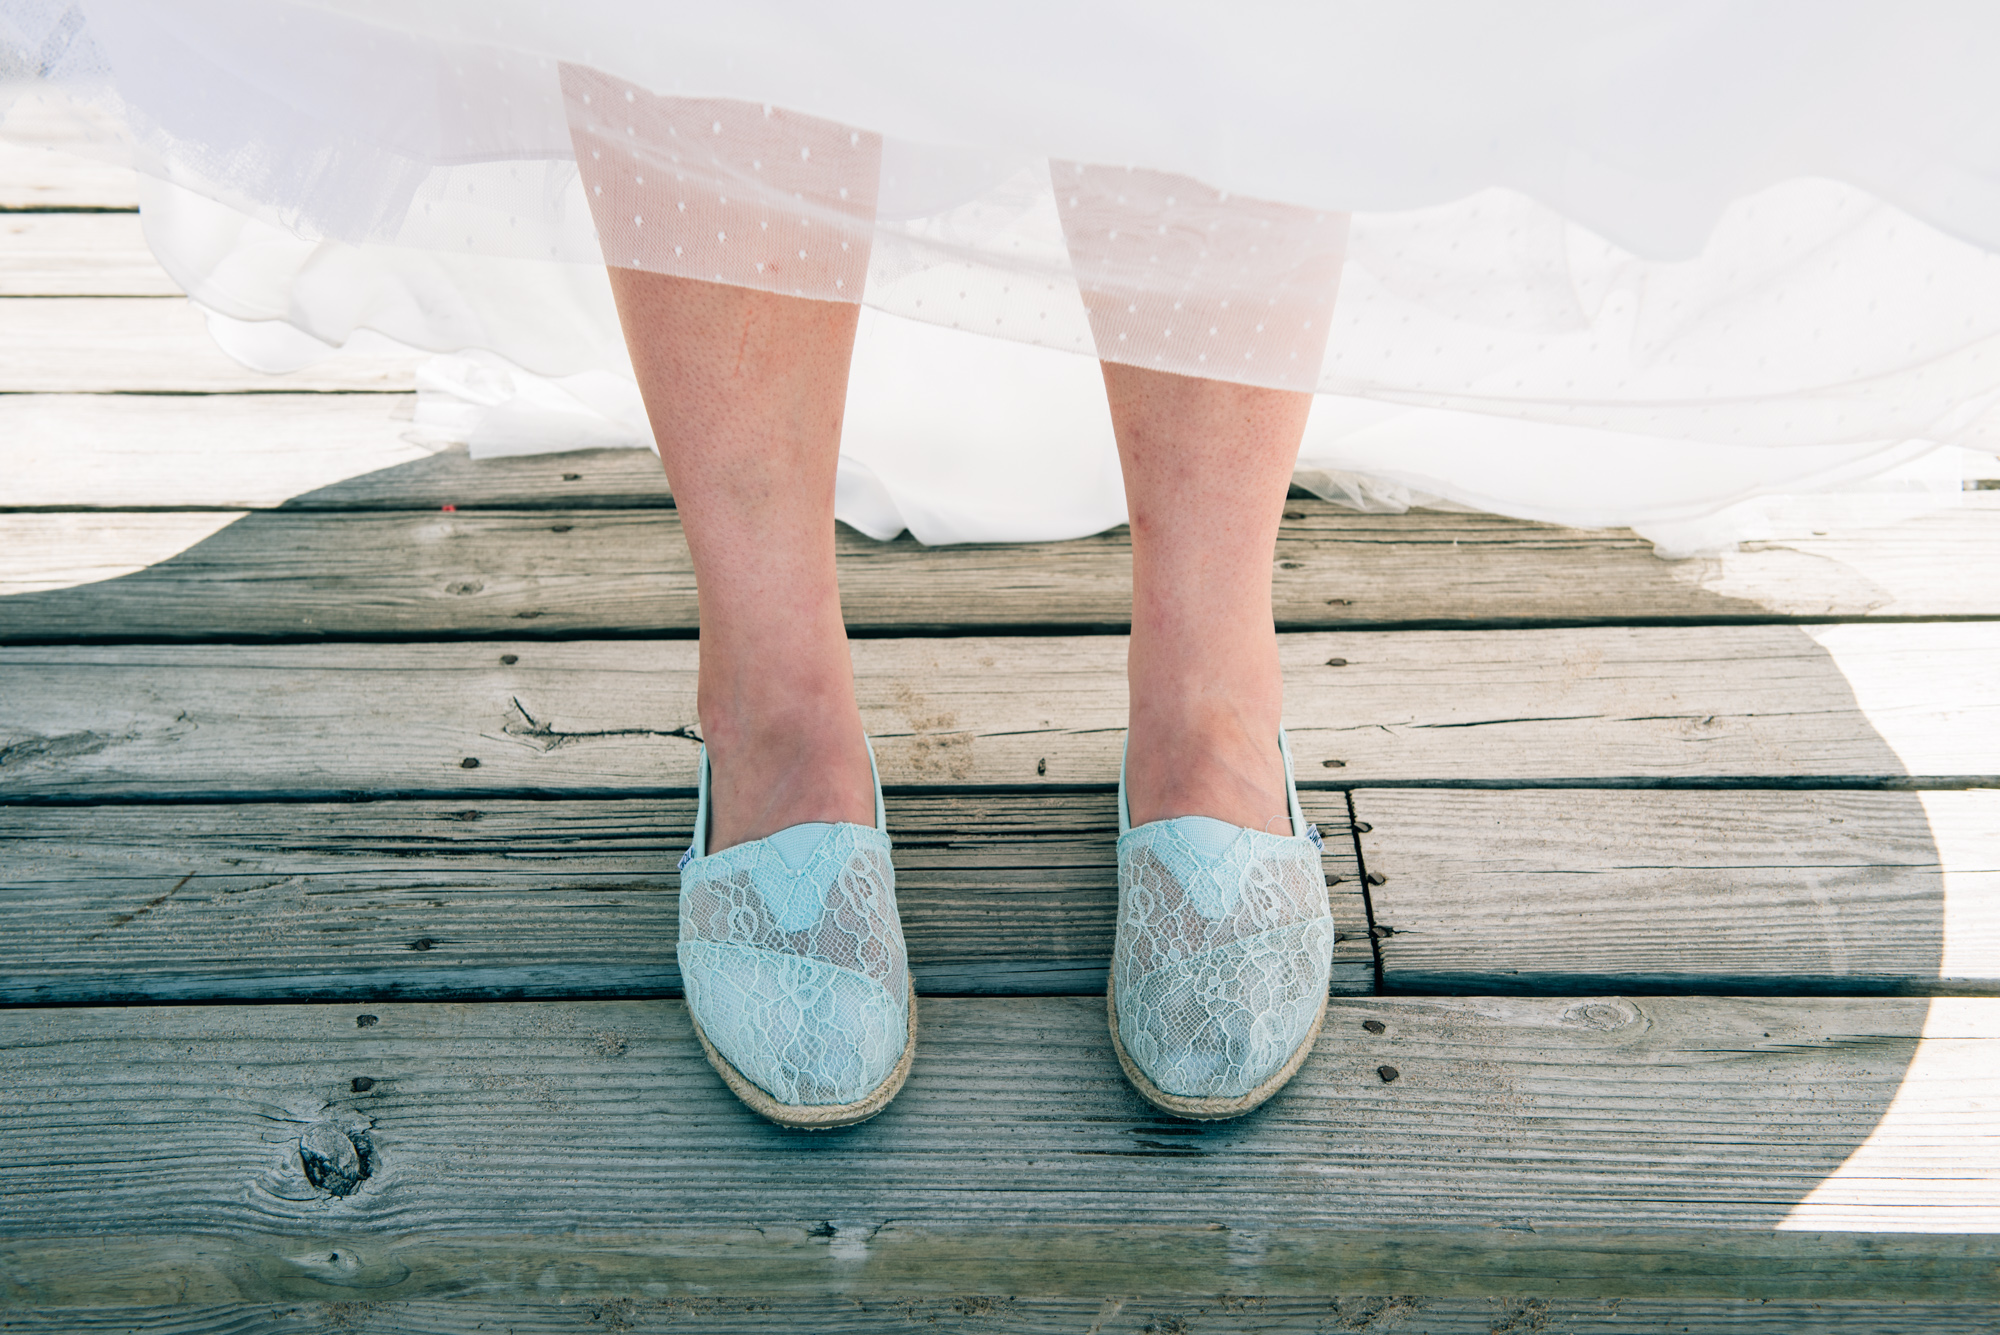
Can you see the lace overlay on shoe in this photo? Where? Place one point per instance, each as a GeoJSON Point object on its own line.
{"type": "Point", "coordinates": [798, 974]}
{"type": "Point", "coordinates": [1222, 955]}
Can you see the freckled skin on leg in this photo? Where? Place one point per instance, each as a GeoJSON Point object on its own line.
{"type": "Point", "coordinates": [745, 391]}
{"type": "Point", "coordinates": [1207, 465]}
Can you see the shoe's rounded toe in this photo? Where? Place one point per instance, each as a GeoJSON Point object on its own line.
{"type": "Point", "coordinates": [1222, 1023]}
{"type": "Point", "coordinates": [806, 1032]}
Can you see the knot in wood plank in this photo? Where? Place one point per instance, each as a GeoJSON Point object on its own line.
{"type": "Point", "coordinates": [335, 1161]}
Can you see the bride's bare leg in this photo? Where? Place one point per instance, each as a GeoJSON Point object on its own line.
{"type": "Point", "coordinates": [1207, 464]}
{"type": "Point", "coordinates": [745, 390]}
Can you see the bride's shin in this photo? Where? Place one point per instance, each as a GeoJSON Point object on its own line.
{"type": "Point", "coordinates": [745, 391]}
{"type": "Point", "coordinates": [1207, 465]}
{"type": "Point", "coordinates": [1184, 283]}
{"type": "Point", "coordinates": [739, 239]}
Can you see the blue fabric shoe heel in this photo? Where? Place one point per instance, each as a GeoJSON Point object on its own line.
{"type": "Point", "coordinates": [793, 963]}
{"type": "Point", "coordinates": [1225, 943]}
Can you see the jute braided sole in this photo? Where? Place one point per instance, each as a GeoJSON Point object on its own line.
{"type": "Point", "coordinates": [1210, 1109]}
{"type": "Point", "coordinates": [819, 1116]}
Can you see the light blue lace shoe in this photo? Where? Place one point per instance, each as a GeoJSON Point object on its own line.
{"type": "Point", "coordinates": [792, 959]}
{"type": "Point", "coordinates": [1225, 944]}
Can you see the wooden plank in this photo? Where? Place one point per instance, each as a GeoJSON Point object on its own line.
{"type": "Point", "coordinates": [78, 255]}
{"type": "Point", "coordinates": [1587, 891]}
{"type": "Point", "coordinates": [1007, 1314]}
{"type": "Point", "coordinates": [260, 451]}
{"type": "Point", "coordinates": [1966, 828]}
{"type": "Point", "coordinates": [36, 179]}
{"type": "Point", "coordinates": [1931, 703]}
{"type": "Point", "coordinates": [1334, 566]}
{"type": "Point", "coordinates": [430, 900]}
{"type": "Point", "coordinates": [47, 551]}
{"type": "Point", "coordinates": [100, 345]}
{"type": "Point", "coordinates": [1629, 706]}
{"type": "Point", "coordinates": [40, 166]}
{"type": "Point", "coordinates": [1913, 568]}
{"type": "Point", "coordinates": [1654, 1147]}
{"type": "Point", "coordinates": [584, 571]}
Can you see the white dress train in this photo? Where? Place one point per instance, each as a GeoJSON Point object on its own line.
{"type": "Point", "coordinates": [1601, 264]}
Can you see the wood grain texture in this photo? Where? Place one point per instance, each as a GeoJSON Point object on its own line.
{"type": "Point", "coordinates": [1588, 891]}
{"type": "Point", "coordinates": [1913, 568]}
{"type": "Point", "coordinates": [49, 551]}
{"type": "Point", "coordinates": [28, 183]}
{"type": "Point", "coordinates": [428, 900]}
{"type": "Point", "coordinates": [203, 451]}
{"type": "Point", "coordinates": [98, 345]}
{"type": "Point", "coordinates": [303, 451]}
{"type": "Point", "coordinates": [618, 717]}
{"type": "Point", "coordinates": [1008, 1314]}
{"type": "Point", "coordinates": [78, 255]}
{"type": "Point", "coordinates": [1599, 1148]}
{"type": "Point", "coordinates": [1333, 567]}
{"type": "Point", "coordinates": [580, 571]}
{"type": "Point", "coordinates": [40, 166]}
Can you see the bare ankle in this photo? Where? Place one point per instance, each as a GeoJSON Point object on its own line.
{"type": "Point", "coordinates": [772, 781]}
{"type": "Point", "coordinates": [779, 758]}
{"type": "Point", "coordinates": [1224, 764]}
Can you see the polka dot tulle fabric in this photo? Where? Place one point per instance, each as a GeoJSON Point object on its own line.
{"type": "Point", "coordinates": [724, 191]}
{"type": "Point", "coordinates": [1592, 263]}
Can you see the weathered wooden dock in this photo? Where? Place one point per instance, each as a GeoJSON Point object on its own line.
{"type": "Point", "coordinates": [341, 785]}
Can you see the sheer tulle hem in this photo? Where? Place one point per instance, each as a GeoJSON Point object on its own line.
{"type": "Point", "coordinates": [1525, 269]}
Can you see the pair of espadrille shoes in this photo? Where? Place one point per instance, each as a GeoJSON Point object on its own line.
{"type": "Point", "coordinates": [796, 976]}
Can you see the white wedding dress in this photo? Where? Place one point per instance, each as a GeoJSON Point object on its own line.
{"type": "Point", "coordinates": [1595, 263]}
